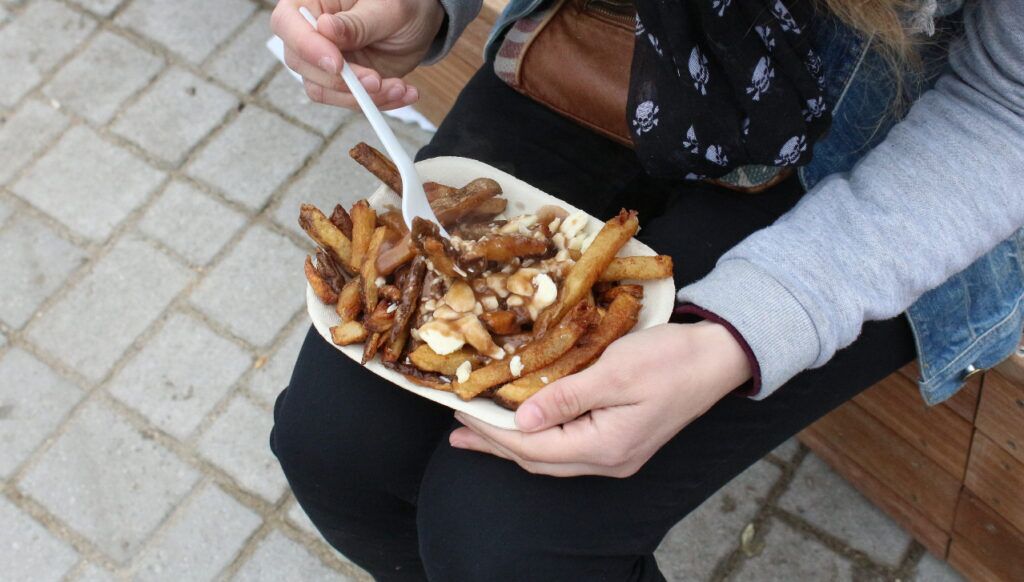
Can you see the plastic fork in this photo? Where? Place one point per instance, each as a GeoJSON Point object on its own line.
{"type": "Point", "coordinates": [414, 199]}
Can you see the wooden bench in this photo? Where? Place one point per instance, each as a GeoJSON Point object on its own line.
{"type": "Point", "coordinates": [951, 475]}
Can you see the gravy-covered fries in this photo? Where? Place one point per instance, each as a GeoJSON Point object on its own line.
{"type": "Point", "coordinates": [504, 307]}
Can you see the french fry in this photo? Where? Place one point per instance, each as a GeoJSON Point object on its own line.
{"type": "Point", "coordinates": [437, 191]}
{"type": "Point", "coordinates": [428, 360]}
{"type": "Point", "coordinates": [320, 286]}
{"type": "Point", "coordinates": [501, 322]}
{"type": "Point", "coordinates": [329, 270]}
{"type": "Point", "coordinates": [348, 333]}
{"type": "Point", "coordinates": [371, 346]}
{"type": "Point", "coordinates": [324, 233]}
{"type": "Point", "coordinates": [427, 238]}
{"type": "Point", "coordinates": [621, 317]}
{"type": "Point", "coordinates": [342, 220]}
{"type": "Point", "coordinates": [364, 221]}
{"type": "Point", "coordinates": [451, 209]}
{"type": "Point", "coordinates": [504, 247]}
{"type": "Point", "coordinates": [609, 295]}
{"type": "Point", "coordinates": [417, 376]}
{"type": "Point", "coordinates": [639, 268]}
{"type": "Point", "coordinates": [407, 305]}
{"type": "Point", "coordinates": [536, 354]}
{"type": "Point", "coordinates": [377, 164]}
{"type": "Point", "coordinates": [369, 273]}
{"type": "Point", "coordinates": [381, 320]}
{"type": "Point", "coordinates": [401, 253]}
{"type": "Point", "coordinates": [585, 272]}
{"type": "Point", "coordinates": [487, 210]}
{"type": "Point", "coordinates": [350, 302]}
{"type": "Point", "coordinates": [394, 220]}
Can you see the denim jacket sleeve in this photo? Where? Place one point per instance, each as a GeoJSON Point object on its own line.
{"type": "Point", "coordinates": [942, 189]}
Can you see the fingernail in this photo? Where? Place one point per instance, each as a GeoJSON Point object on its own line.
{"type": "Point", "coordinates": [529, 417]}
{"type": "Point", "coordinates": [395, 93]}
{"type": "Point", "coordinates": [328, 65]}
{"type": "Point", "coordinates": [412, 95]}
{"type": "Point", "coordinates": [457, 444]}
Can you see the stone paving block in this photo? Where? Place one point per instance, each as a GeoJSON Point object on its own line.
{"type": "Point", "coordinates": [25, 134]}
{"type": "Point", "coordinates": [28, 551]}
{"type": "Point", "coordinates": [289, 95]}
{"type": "Point", "coordinates": [6, 209]}
{"type": "Point", "coordinates": [298, 518]}
{"type": "Point", "coordinates": [238, 443]}
{"type": "Point", "coordinates": [180, 375]}
{"type": "Point", "coordinates": [257, 288]}
{"type": "Point", "coordinates": [932, 569]}
{"type": "Point", "coordinates": [250, 158]}
{"type": "Point", "coordinates": [177, 112]}
{"type": "Point", "coordinates": [279, 559]}
{"type": "Point", "coordinates": [245, 61]}
{"type": "Point", "coordinates": [202, 539]}
{"type": "Point", "coordinates": [108, 481]}
{"type": "Point", "coordinates": [91, 327]}
{"type": "Point", "coordinates": [34, 43]}
{"type": "Point", "coordinates": [100, 7]}
{"type": "Point", "coordinates": [787, 450]}
{"type": "Point", "coordinates": [100, 78]}
{"type": "Point", "coordinates": [191, 223]}
{"type": "Point", "coordinates": [88, 183]}
{"type": "Point", "coordinates": [36, 262]}
{"type": "Point", "coordinates": [693, 548]}
{"type": "Point", "coordinates": [94, 573]}
{"type": "Point", "coordinates": [272, 377]}
{"type": "Point", "coordinates": [190, 28]}
{"type": "Point", "coordinates": [789, 555]}
{"type": "Point", "coordinates": [332, 179]}
{"type": "Point", "coordinates": [33, 401]}
{"type": "Point", "coordinates": [824, 499]}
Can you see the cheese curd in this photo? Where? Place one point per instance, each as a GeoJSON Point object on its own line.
{"type": "Point", "coordinates": [441, 337]}
{"type": "Point", "coordinates": [515, 366]}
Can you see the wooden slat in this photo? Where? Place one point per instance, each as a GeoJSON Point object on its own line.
{"type": "Point", "coordinates": [931, 536]}
{"type": "Point", "coordinates": [964, 403]}
{"type": "Point", "coordinates": [1013, 367]}
{"type": "Point", "coordinates": [985, 546]}
{"type": "Point", "coordinates": [997, 478]}
{"type": "Point", "coordinates": [937, 431]}
{"type": "Point", "coordinates": [1001, 413]}
{"type": "Point", "coordinates": [878, 450]}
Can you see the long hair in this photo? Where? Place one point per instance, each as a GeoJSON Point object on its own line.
{"type": "Point", "coordinates": [882, 22]}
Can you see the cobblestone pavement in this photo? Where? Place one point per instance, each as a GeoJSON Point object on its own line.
{"type": "Point", "coordinates": [152, 157]}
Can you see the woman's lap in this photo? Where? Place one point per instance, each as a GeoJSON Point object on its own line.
{"type": "Point", "coordinates": [355, 448]}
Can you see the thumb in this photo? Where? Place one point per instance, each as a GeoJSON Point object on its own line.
{"type": "Point", "coordinates": [564, 400]}
{"type": "Point", "coordinates": [363, 24]}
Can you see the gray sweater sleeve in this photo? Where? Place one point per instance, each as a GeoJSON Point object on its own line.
{"type": "Point", "coordinates": [459, 13]}
{"type": "Point", "coordinates": [942, 189]}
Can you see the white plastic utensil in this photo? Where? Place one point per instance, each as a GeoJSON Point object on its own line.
{"type": "Point", "coordinates": [414, 199]}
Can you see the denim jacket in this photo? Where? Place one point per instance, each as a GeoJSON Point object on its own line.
{"type": "Point", "coordinates": [974, 320]}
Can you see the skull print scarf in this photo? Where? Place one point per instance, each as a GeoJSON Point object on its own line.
{"type": "Point", "coordinates": [719, 84]}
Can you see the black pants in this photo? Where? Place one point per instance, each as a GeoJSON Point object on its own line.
{"type": "Point", "coordinates": [371, 465]}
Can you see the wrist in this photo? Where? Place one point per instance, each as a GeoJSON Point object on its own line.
{"type": "Point", "coordinates": [721, 357]}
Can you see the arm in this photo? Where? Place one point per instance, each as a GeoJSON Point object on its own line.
{"type": "Point", "coordinates": [941, 190]}
{"type": "Point", "coordinates": [458, 15]}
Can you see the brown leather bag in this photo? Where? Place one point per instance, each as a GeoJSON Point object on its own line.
{"type": "Point", "coordinates": [577, 63]}
{"type": "Point", "coordinates": [575, 57]}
